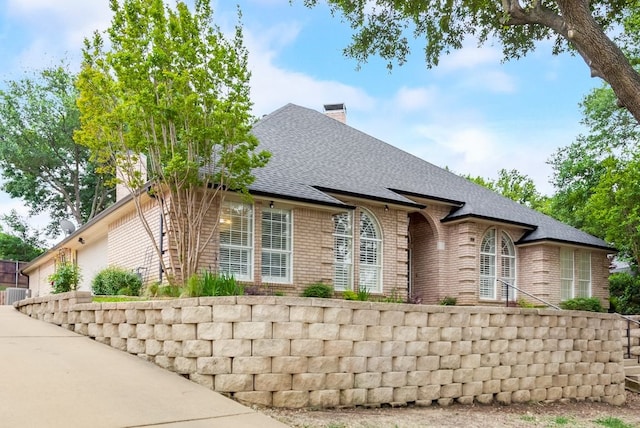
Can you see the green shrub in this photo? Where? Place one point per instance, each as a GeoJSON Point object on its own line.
{"type": "Point", "coordinates": [115, 280]}
{"type": "Point", "coordinates": [349, 295]}
{"type": "Point", "coordinates": [65, 278]}
{"type": "Point", "coordinates": [624, 291]}
{"type": "Point", "coordinates": [448, 301]}
{"type": "Point", "coordinates": [591, 304]}
{"type": "Point", "coordinates": [395, 297]}
{"type": "Point", "coordinates": [211, 284]}
{"type": "Point", "coordinates": [363, 294]}
{"type": "Point", "coordinates": [318, 289]}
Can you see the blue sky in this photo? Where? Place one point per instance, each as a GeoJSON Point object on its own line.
{"type": "Point", "coordinates": [473, 113]}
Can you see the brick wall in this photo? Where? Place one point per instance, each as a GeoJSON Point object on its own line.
{"type": "Point", "coordinates": [129, 245]}
{"type": "Point", "coordinates": [297, 352]}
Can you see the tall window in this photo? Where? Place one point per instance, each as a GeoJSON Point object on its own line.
{"type": "Point", "coordinates": [575, 274]}
{"type": "Point", "coordinates": [276, 245]}
{"type": "Point", "coordinates": [342, 251]}
{"type": "Point", "coordinates": [491, 263]}
{"type": "Point", "coordinates": [566, 274]}
{"type": "Point", "coordinates": [583, 286]}
{"type": "Point", "coordinates": [488, 265]}
{"type": "Point", "coordinates": [508, 266]}
{"type": "Point", "coordinates": [370, 254]}
{"type": "Point", "coordinates": [236, 240]}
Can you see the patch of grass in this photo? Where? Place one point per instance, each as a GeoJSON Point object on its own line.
{"type": "Point", "coordinates": [562, 420]}
{"type": "Point", "coordinates": [529, 418]}
{"type": "Point", "coordinates": [611, 422]}
{"type": "Point", "coordinates": [109, 299]}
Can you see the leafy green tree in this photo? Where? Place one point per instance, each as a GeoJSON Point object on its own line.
{"type": "Point", "coordinates": [624, 290]}
{"type": "Point", "coordinates": [613, 209]}
{"type": "Point", "coordinates": [21, 242]}
{"type": "Point", "coordinates": [171, 87]}
{"type": "Point", "coordinates": [580, 25]}
{"type": "Point", "coordinates": [40, 162]}
{"type": "Point", "coordinates": [515, 186]}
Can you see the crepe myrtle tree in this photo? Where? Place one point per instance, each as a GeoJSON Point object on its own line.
{"type": "Point", "coordinates": [173, 90]}
{"type": "Point", "coordinates": [579, 25]}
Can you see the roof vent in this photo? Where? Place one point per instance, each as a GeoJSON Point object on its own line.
{"type": "Point", "coordinates": [336, 111]}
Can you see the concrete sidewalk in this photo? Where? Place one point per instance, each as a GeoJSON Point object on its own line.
{"type": "Point", "coordinates": [51, 377]}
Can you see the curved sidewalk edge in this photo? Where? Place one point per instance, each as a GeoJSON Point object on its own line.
{"type": "Point", "coordinates": [56, 378]}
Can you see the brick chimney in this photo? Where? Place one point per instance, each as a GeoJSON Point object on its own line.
{"type": "Point", "coordinates": [336, 111]}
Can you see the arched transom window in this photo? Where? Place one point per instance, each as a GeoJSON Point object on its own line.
{"type": "Point", "coordinates": [369, 252]}
{"type": "Point", "coordinates": [492, 262]}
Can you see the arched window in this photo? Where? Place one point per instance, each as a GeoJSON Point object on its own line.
{"type": "Point", "coordinates": [370, 253]}
{"type": "Point", "coordinates": [342, 251]}
{"type": "Point", "coordinates": [491, 263]}
{"type": "Point", "coordinates": [488, 265]}
{"type": "Point", "coordinates": [508, 266]}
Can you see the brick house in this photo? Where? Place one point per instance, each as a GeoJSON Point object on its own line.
{"type": "Point", "coordinates": [339, 206]}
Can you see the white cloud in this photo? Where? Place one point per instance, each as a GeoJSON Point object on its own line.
{"type": "Point", "coordinates": [412, 99]}
{"type": "Point", "coordinates": [496, 81]}
{"type": "Point", "coordinates": [470, 57]}
{"type": "Point", "coordinates": [273, 86]}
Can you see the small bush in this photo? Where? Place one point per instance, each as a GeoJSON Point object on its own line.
{"type": "Point", "coordinates": [211, 284]}
{"type": "Point", "coordinates": [363, 294]}
{"type": "Point", "coordinates": [318, 289]}
{"type": "Point", "coordinates": [395, 297]}
{"type": "Point", "coordinates": [116, 281]}
{"type": "Point", "coordinates": [624, 291]}
{"type": "Point", "coordinates": [349, 295]}
{"type": "Point", "coordinates": [448, 301]}
{"type": "Point", "coordinates": [591, 304]}
{"type": "Point", "coordinates": [65, 278]}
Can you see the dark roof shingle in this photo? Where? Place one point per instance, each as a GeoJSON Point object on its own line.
{"type": "Point", "coordinates": [313, 152]}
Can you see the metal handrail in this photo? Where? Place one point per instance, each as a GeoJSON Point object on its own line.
{"type": "Point", "coordinates": [528, 294]}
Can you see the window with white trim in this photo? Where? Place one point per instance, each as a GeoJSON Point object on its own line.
{"type": "Point", "coordinates": [370, 253]}
{"type": "Point", "coordinates": [342, 251]}
{"type": "Point", "coordinates": [583, 286]}
{"type": "Point", "coordinates": [575, 274]}
{"type": "Point", "coordinates": [492, 262]}
{"type": "Point", "coordinates": [236, 240]}
{"type": "Point", "coordinates": [508, 266]}
{"type": "Point", "coordinates": [276, 245]}
{"type": "Point", "coordinates": [488, 266]}
{"type": "Point", "coordinates": [566, 274]}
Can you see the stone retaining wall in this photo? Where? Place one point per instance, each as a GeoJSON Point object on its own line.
{"type": "Point", "coordinates": [631, 338]}
{"type": "Point", "coordinates": [304, 352]}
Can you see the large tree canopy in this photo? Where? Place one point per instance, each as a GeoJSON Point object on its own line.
{"type": "Point", "coordinates": [40, 162]}
{"type": "Point", "coordinates": [382, 27]}
{"type": "Point", "coordinates": [20, 242]}
{"type": "Point", "coordinates": [597, 177]}
{"type": "Point", "coordinates": [173, 88]}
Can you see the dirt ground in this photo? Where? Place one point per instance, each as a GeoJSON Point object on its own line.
{"type": "Point", "coordinates": [571, 415]}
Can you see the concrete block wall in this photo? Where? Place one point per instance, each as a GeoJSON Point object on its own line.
{"type": "Point", "coordinates": [631, 338]}
{"type": "Point", "coordinates": [303, 352]}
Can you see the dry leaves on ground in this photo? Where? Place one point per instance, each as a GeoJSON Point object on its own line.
{"type": "Point", "coordinates": [573, 414]}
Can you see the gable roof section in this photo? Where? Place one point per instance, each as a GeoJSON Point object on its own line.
{"type": "Point", "coordinates": [313, 155]}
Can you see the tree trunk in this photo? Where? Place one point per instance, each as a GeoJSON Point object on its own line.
{"type": "Point", "coordinates": [604, 57]}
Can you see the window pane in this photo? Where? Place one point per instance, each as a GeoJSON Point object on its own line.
{"type": "Point", "coordinates": [342, 252]}
{"type": "Point", "coordinates": [370, 254]}
{"type": "Point", "coordinates": [236, 240]}
{"type": "Point", "coordinates": [583, 286]}
{"type": "Point", "coordinates": [487, 288]}
{"type": "Point", "coordinates": [566, 274]}
{"type": "Point", "coordinates": [276, 245]}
